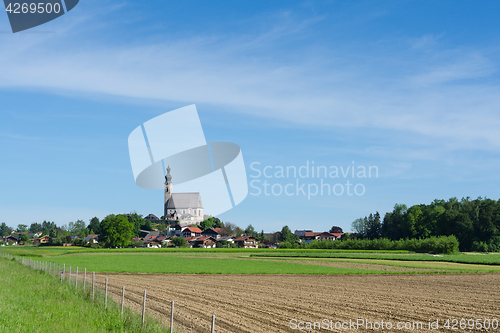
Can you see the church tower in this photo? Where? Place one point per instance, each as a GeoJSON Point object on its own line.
{"type": "Point", "coordinates": [168, 185]}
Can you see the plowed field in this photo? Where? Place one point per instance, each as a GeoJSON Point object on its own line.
{"type": "Point", "coordinates": [267, 303]}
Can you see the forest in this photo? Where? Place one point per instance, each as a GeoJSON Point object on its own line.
{"type": "Point", "coordinates": [475, 223]}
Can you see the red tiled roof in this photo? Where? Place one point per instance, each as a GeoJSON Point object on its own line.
{"type": "Point", "coordinates": [195, 230]}
{"type": "Point", "coordinates": [242, 238]}
{"type": "Point", "coordinates": [311, 234]}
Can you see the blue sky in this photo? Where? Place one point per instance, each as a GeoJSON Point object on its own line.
{"type": "Point", "coordinates": [411, 87]}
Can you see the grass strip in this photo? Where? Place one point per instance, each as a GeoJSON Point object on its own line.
{"type": "Point", "coordinates": [33, 301]}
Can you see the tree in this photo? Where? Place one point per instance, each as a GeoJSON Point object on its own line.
{"type": "Point", "coordinates": [374, 227]}
{"type": "Point", "coordinates": [138, 221]}
{"type": "Point", "coordinates": [23, 238]}
{"type": "Point", "coordinates": [211, 222]}
{"type": "Point", "coordinates": [147, 225]}
{"type": "Point", "coordinates": [22, 228]}
{"type": "Point", "coordinates": [178, 241]}
{"type": "Point", "coordinates": [78, 228]}
{"type": "Point", "coordinates": [250, 231]}
{"type": "Point", "coordinates": [94, 226]}
{"type": "Point", "coordinates": [116, 231]}
{"type": "Point", "coordinates": [336, 230]}
{"type": "Point", "coordinates": [35, 227]}
{"type": "Point", "coordinates": [287, 236]}
{"type": "Point", "coordinates": [229, 229]}
{"type": "Point", "coordinates": [5, 230]}
{"type": "Point", "coordinates": [360, 226]}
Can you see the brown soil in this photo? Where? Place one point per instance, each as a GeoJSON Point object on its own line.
{"type": "Point", "coordinates": [267, 303]}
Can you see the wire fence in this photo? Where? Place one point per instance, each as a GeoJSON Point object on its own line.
{"type": "Point", "coordinates": [173, 316]}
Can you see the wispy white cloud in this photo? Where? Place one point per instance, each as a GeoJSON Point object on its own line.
{"type": "Point", "coordinates": [425, 41]}
{"type": "Point", "coordinates": [18, 136]}
{"type": "Point", "coordinates": [440, 96]}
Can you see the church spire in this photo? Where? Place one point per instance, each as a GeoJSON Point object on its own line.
{"type": "Point", "coordinates": [168, 177]}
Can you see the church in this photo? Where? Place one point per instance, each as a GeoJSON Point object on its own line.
{"type": "Point", "coordinates": [186, 208]}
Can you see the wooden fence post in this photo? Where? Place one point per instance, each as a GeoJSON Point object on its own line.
{"type": "Point", "coordinates": [106, 296]}
{"type": "Point", "coordinates": [144, 308]}
{"type": "Point", "coordinates": [172, 318]}
{"type": "Point", "coordinates": [123, 298]}
{"type": "Point", "coordinates": [76, 278]}
{"type": "Point", "coordinates": [213, 323]}
{"type": "Point", "coordinates": [84, 278]}
{"type": "Point", "coordinates": [93, 285]}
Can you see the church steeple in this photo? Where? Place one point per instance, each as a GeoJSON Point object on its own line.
{"type": "Point", "coordinates": [168, 185]}
{"type": "Point", "coordinates": [168, 177]}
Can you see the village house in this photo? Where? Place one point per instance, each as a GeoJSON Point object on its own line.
{"type": "Point", "coordinates": [41, 240]}
{"type": "Point", "coordinates": [163, 240]}
{"type": "Point", "coordinates": [229, 239]}
{"type": "Point", "coordinates": [247, 242]}
{"type": "Point", "coordinates": [191, 232]}
{"type": "Point", "coordinates": [308, 235]}
{"type": "Point", "coordinates": [152, 242]}
{"type": "Point", "coordinates": [12, 239]}
{"type": "Point", "coordinates": [206, 242]}
{"type": "Point", "coordinates": [215, 233]}
{"type": "Point", "coordinates": [91, 239]}
{"type": "Point", "coordinates": [327, 236]}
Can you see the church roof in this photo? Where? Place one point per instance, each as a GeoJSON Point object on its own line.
{"type": "Point", "coordinates": [185, 201]}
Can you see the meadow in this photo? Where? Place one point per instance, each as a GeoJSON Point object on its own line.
{"type": "Point", "coordinates": [258, 261]}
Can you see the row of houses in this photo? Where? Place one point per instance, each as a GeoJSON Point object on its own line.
{"type": "Point", "coordinates": [308, 236]}
{"type": "Point", "coordinates": [197, 238]}
{"type": "Point", "coordinates": [15, 240]}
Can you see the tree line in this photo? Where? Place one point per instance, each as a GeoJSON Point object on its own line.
{"type": "Point", "coordinates": [475, 223]}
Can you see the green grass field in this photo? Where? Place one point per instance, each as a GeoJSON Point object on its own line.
{"type": "Point", "coordinates": [260, 261]}
{"type": "Point", "coordinates": [32, 301]}
{"type": "Point", "coordinates": [476, 258]}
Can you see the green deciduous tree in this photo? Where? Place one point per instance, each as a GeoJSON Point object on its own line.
{"type": "Point", "coordinates": [24, 238]}
{"type": "Point", "coordinates": [336, 230]}
{"type": "Point", "coordinates": [22, 228]}
{"type": "Point", "coordinates": [5, 230]}
{"type": "Point", "coordinates": [78, 228]}
{"type": "Point", "coordinates": [139, 223]}
{"type": "Point", "coordinates": [250, 231]}
{"type": "Point", "coordinates": [360, 227]}
{"type": "Point", "coordinates": [116, 231]}
{"type": "Point", "coordinates": [211, 222]}
{"type": "Point", "coordinates": [178, 241]}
